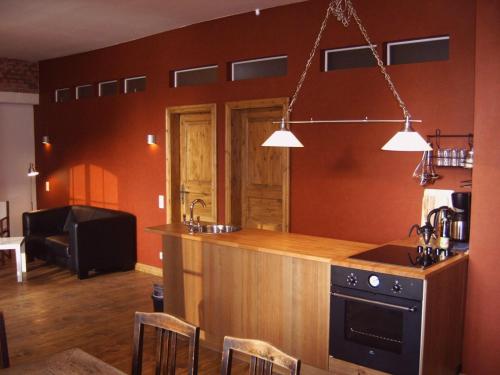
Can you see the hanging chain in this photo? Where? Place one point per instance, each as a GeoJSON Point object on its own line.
{"type": "Point", "coordinates": [311, 56]}
{"type": "Point", "coordinates": [386, 75]}
{"type": "Point", "coordinates": [344, 10]}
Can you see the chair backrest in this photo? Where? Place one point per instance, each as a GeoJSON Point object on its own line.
{"type": "Point", "coordinates": [4, 351]}
{"type": "Point", "coordinates": [168, 327]}
{"type": "Point", "coordinates": [4, 219]}
{"type": "Point", "coordinates": [262, 356]}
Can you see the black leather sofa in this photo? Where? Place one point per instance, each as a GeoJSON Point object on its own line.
{"type": "Point", "coordinates": [83, 238]}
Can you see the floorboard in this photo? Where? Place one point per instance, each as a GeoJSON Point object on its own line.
{"type": "Point", "coordinates": [53, 310]}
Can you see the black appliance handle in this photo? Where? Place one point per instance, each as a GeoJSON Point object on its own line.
{"type": "Point", "coordinates": [404, 308]}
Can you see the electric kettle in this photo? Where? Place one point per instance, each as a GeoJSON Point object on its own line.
{"type": "Point", "coordinates": [442, 224]}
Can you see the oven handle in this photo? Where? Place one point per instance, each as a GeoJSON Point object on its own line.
{"type": "Point", "coordinates": [404, 308]}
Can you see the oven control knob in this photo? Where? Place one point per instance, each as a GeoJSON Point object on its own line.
{"type": "Point", "coordinates": [374, 281]}
{"type": "Point", "coordinates": [397, 288]}
{"type": "Point", "coordinates": [352, 279]}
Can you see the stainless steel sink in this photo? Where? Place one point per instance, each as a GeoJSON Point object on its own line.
{"type": "Point", "coordinates": [218, 228]}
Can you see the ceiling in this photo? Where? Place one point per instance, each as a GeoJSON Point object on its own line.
{"type": "Point", "coordinates": [44, 29]}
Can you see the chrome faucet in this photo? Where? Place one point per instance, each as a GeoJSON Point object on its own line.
{"type": "Point", "coordinates": [191, 224]}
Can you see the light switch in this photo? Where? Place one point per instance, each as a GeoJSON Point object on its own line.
{"type": "Point", "coordinates": [161, 201]}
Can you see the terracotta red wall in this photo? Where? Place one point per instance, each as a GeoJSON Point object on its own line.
{"type": "Point", "coordinates": [482, 341]}
{"type": "Point", "coordinates": [342, 185]}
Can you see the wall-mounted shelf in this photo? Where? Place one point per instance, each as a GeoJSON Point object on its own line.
{"type": "Point", "coordinates": [452, 157]}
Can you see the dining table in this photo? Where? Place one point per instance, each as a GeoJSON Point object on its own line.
{"type": "Point", "coordinates": [73, 361]}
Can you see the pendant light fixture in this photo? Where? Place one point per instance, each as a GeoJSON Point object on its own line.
{"type": "Point", "coordinates": [282, 138]}
{"type": "Point", "coordinates": [405, 140]}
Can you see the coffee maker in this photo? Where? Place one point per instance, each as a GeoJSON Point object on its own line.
{"type": "Point", "coordinates": [460, 220]}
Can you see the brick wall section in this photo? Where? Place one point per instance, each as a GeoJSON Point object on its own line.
{"type": "Point", "coordinates": [18, 76]}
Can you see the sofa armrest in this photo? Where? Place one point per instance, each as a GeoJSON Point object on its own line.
{"type": "Point", "coordinates": [45, 222]}
{"type": "Point", "coordinates": [104, 244]}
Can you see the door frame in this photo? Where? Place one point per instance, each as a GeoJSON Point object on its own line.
{"type": "Point", "coordinates": [187, 109]}
{"type": "Point", "coordinates": [251, 104]}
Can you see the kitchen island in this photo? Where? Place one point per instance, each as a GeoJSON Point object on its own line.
{"type": "Point", "coordinates": [275, 287]}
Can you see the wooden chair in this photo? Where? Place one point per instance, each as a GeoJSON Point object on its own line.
{"type": "Point", "coordinates": [262, 356]}
{"type": "Point", "coordinates": [4, 227]}
{"type": "Point", "coordinates": [4, 351]}
{"type": "Point", "coordinates": [168, 327]}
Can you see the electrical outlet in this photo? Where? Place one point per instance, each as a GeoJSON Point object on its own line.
{"type": "Point", "coordinates": [161, 201]}
{"type": "Point", "coordinates": [161, 255]}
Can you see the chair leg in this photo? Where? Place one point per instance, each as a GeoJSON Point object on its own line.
{"type": "Point", "coordinates": [4, 351]}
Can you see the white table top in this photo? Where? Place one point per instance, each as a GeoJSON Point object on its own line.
{"type": "Point", "coordinates": [5, 242]}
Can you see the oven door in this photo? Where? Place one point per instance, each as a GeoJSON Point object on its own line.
{"type": "Point", "coordinates": [377, 331]}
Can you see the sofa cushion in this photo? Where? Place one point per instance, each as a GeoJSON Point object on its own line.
{"type": "Point", "coordinates": [59, 245]}
{"type": "Point", "coordinates": [70, 219]}
{"type": "Point", "coordinates": [35, 247]}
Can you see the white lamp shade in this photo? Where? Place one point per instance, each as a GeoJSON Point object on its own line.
{"type": "Point", "coordinates": [282, 138]}
{"type": "Point", "coordinates": [407, 141]}
{"type": "Point", "coordinates": [32, 172]}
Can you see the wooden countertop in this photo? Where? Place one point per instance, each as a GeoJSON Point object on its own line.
{"type": "Point", "coordinates": [291, 244]}
{"type": "Point", "coordinates": [391, 269]}
{"type": "Point", "coordinates": [320, 249]}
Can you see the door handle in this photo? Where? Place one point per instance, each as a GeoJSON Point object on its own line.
{"type": "Point", "coordinates": [352, 298]}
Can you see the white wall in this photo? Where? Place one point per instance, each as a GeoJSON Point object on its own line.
{"type": "Point", "coordinates": [17, 150]}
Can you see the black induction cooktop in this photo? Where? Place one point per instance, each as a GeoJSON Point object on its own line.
{"type": "Point", "coordinates": [399, 255]}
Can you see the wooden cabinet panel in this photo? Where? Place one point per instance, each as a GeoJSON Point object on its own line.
{"type": "Point", "coordinates": [231, 291]}
{"type": "Point", "coordinates": [444, 320]}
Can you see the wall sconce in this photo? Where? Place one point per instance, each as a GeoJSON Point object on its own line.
{"type": "Point", "coordinates": [46, 140]}
{"type": "Point", "coordinates": [151, 139]}
{"type": "Point", "coordinates": [32, 172]}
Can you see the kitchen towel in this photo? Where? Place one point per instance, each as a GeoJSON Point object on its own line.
{"type": "Point", "coordinates": [434, 198]}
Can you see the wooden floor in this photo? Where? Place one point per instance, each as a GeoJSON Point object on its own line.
{"type": "Point", "coordinates": [53, 311]}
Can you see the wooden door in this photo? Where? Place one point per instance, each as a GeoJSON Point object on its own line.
{"type": "Point", "coordinates": [262, 171]}
{"type": "Point", "coordinates": [197, 164]}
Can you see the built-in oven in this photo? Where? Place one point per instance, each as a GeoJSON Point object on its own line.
{"type": "Point", "coordinates": [375, 320]}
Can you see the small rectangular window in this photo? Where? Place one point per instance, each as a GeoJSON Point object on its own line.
{"type": "Point", "coordinates": [196, 76]}
{"type": "Point", "coordinates": [63, 95]}
{"type": "Point", "coordinates": [349, 57]}
{"type": "Point", "coordinates": [259, 68]}
{"type": "Point", "coordinates": [84, 91]}
{"type": "Point", "coordinates": [135, 84]}
{"type": "Point", "coordinates": [418, 50]}
{"type": "Point", "coordinates": [108, 88]}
